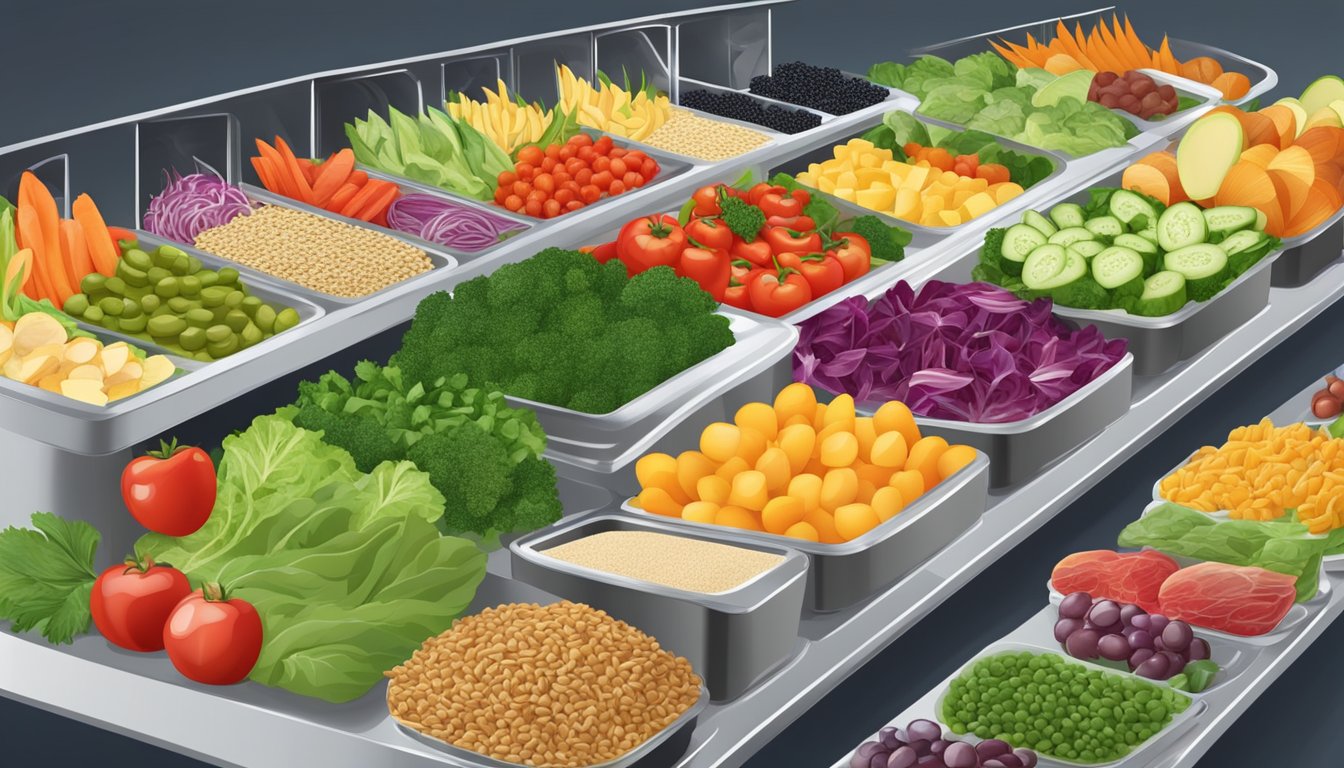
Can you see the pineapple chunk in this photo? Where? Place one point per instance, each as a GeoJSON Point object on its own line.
{"type": "Point", "coordinates": [907, 204]}
{"type": "Point", "coordinates": [157, 369]}
{"type": "Point", "coordinates": [91, 372]}
{"type": "Point", "coordinates": [978, 204]}
{"type": "Point", "coordinates": [114, 356]}
{"type": "Point", "coordinates": [877, 198]}
{"type": "Point", "coordinates": [844, 193]}
{"type": "Point", "coordinates": [84, 390]}
{"type": "Point", "coordinates": [847, 179]}
{"type": "Point", "coordinates": [131, 371]}
{"type": "Point", "coordinates": [124, 389]}
{"type": "Point", "coordinates": [1006, 191]}
{"type": "Point", "coordinates": [949, 218]}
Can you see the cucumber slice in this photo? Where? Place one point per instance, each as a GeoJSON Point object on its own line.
{"type": "Point", "coordinates": [1226, 219]}
{"type": "Point", "coordinates": [1067, 215]}
{"type": "Point", "coordinates": [1086, 248]}
{"type": "Point", "coordinates": [1019, 241]}
{"type": "Point", "coordinates": [1242, 241]}
{"type": "Point", "coordinates": [1050, 266]}
{"type": "Point", "coordinates": [1039, 222]}
{"type": "Point", "coordinates": [1181, 225]}
{"type": "Point", "coordinates": [1204, 267]}
{"type": "Point", "coordinates": [1117, 266]}
{"type": "Point", "coordinates": [1260, 219]}
{"type": "Point", "coordinates": [1149, 232]}
{"type": "Point", "coordinates": [1128, 206]}
{"type": "Point", "coordinates": [1071, 235]}
{"type": "Point", "coordinates": [1136, 243]}
{"type": "Point", "coordinates": [1163, 293]}
{"type": "Point", "coordinates": [1105, 226]}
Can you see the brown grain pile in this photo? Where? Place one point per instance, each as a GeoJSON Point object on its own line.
{"type": "Point", "coordinates": [555, 686]}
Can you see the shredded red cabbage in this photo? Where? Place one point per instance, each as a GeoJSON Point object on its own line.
{"type": "Point", "coordinates": [189, 205]}
{"type": "Point", "coordinates": [973, 353]}
{"type": "Point", "coordinates": [452, 225]}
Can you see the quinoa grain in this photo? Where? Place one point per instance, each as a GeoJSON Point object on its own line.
{"type": "Point", "coordinates": [686, 133]}
{"type": "Point", "coordinates": [679, 562]}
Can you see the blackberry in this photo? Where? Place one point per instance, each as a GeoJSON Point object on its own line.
{"type": "Point", "coordinates": [740, 106]}
{"type": "Point", "coordinates": [823, 88]}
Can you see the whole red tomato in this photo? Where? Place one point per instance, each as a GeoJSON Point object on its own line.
{"type": "Point", "coordinates": [709, 267]}
{"type": "Point", "coordinates": [710, 233]}
{"type": "Point", "coordinates": [822, 272]}
{"type": "Point", "coordinates": [603, 253]}
{"type": "Point", "coordinates": [853, 253]}
{"type": "Point", "coordinates": [777, 293]}
{"type": "Point", "coordinates": [653, 241]}
{"type": "Point", "coordinates": [784, 240]}
{"type": "Point", "coordinates": [757, 251]}
{"type": "Point", "coordinates": [212, 639]}
{"type": "Point", "coordinates": [707, 201]}
{"type": "Point", "coordinates": [171, 490]}
{"type": "Point", "coordinates": [131, 602]}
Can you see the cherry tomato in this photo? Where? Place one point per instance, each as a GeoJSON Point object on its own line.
{"type": "Point", "coordinates": [581, 140]}
{"type": "Point", "coordinates": [738, 293]}
{"type": "Point", "coordinates": [521, 188]}
{"type": "Point", "coordinates": [507, 178]}
{"type": "Point", "coordinates": [706, 201]}
{"type": "Point", "coordinates": [740, 270]}
{"type": "Point", "coordinates": [525, 171]}
{"type": "Point", "coordinates": [602, 145]}
{"type": "Point", "coordinates": [602, 179]}
{"type": "Point", "coordinates": [573, 205]}
{"type": "Point", "coordinates": [784, 240]}
{"type": "Point", "coordinates": [604, 252]}
{"type": "Point", "coordinates": [513, 203]}
{"type": "Point", "coordinates": [853, 253]}
{"type": "Point", "coordinates": [710, 233]}
{"type": "Point", "coordinates": [778, 292]}
{"type": "Point", "coordinates": [601, 164]}
{"type": "Point", "coordinates": [707, 266]}
{"type": "Point", "coordinates": [170, 491]}
{"type": "Point", "coordinates": [584, 177]}
{"type": "Point", "coordinates": [551, 208]}
{"type": "Point", "coordinates": [758, 191]}
{"type": "Point", "coordinates": [502, 194]}
{"type": "Point", "coordinates": [649, 168]}
{"type": "Point", "coordinates": [632, 179]}
{"type": "Point", "coordinates": [616, 188]}
{"type": "Point", "coordinates": [131, 602]}
{"type": "Point", "coordinates": [568, 152]}
{"type": "Point", "coordinates": [212, 639]}
{"type": "Point", "coordinates": [780, 204]}
{"type": "Point", "coordinates": [553, 152]}
{"type": "Point", "coordinates": [549, 164]}
{"type": "Point", "coordinates": [618, 168]}
{"type": "Point", "coordinates": [653, 241]}
{"type": "Point", "coordinates": [590, 193]}
{"type": "Point", "coordinates": [563, 196]}
{"type": "Point", "coordinates": [543, 182]}
{"type": "Point", "coordinates": [757, 252]}
{"type": "Point", "coordinates": [532, 208]}
{"type": "Point", "coordinates": [531, 154]}
{"type": "Point", "coordinates": [822, 272]}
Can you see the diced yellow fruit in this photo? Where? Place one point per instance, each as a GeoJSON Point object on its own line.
{"type": "Point", "coordinates": [862, 145]}
{"type": "Point", "coordinates": [876, 199]}
{"type": "Point", "coordinates": [824, 183]}
{"type": "Point", "coordinates": [114, 356]}
{"type": "Point", "coordinates": [841, 151]}
{"type": "Point", "coordinates": [51, 382]}
{"type": "Point", "coordinates": [949, 178]}
{"type": "Point", "coordinates": [844, 193]}
{"type": "Point", "coordinates": [906, 204]}
{"type": "Point", "coordinates": [949, 218]}
{"type": "Point", "coordinates": [870, 160]}
{"type": "Point", "coordinates": [933, 204]}
{"type": "Point", "coordinates": [1006, 191]}
{"type": "Point", "coordinates": [847, 179]}
{"type": "Point", "coordinates": [978, 204]}
{"type": "Point", "coordinates": [81, 351]}
{"type": "Point", "coordinates": [131, 371]}
{"type": "Point", "coordinates": [124, 389]}
{"type": "Point", "coordinates": [916, 178]}
{"type": "Point", "coordinates": [157, 369]}
{"type": "Point", "coordinates": [868, 176]}
{"type": "Point", "coordinates": [959, 197]}
{"type": "Point", "coordinates": [895, 167]}
{"type": "Point", "coordinates": [91, 372]}
{"type": "Point", "coordinates": [32, 368]}
{"type": "Point", "coordinates": [84, 390]}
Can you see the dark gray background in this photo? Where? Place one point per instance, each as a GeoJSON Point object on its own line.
{"type": "Point", "coordinates": [75, 62]}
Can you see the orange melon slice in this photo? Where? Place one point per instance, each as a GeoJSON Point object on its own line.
{"type": "Point", "coordinates": [1260, 154]}
{"type": "Point", "coordinates": [1324, 143]}
{"type": "Point", "coordinates": [1285, 122]}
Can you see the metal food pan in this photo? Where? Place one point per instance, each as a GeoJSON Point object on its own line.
{"type": "Point", "coordinates": [765, 101]}
{"type": "Point", "coordinates": [1306, 255]}
{"type": "Point", "coordinates": [925, 236]}
{"type": "Point", "coordinates": [733, 639]}
{"type": "Point", "coordinates": [768, 149]}
{"type": "Point", "coordinates": [606, 443]}
{"type": "Point", "coordinates": [1262, 77]}
{"type": "Point", "coordinates": [259, 285]}
{"type": "Point", "coordinates": [662, 750]}
{"type": "Point", "coordinates": [1231, 654]}
{"type": "Point", "coordinates": [840, 575]}
{"type": "Point", "coordinates": [930, 706]}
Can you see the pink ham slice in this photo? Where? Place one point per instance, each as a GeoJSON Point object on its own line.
{"type": "Point", "coordinates": [1236, 599]}
{"type": "Point", "coordinates": [1132, 577]}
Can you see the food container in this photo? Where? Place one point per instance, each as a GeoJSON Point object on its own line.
{"type": "Point", "coordinates": [1230, 653]}
{"type": "Point", "coordinates": [603, 444]}
{"type": "Point", "coordinates": [732, 638]}
{"type": "Point", "coordinates": [663, 750]}
{"type": "Point", "coordinates": [840, 575]}
{"type": "Point", "coordinates": [1141, 755]}
{"type": "Point", "coordinates": [1158, 343]}
{"type": "Point", "coordinates": [1262, 78]}
{"type": "Point", "coordinates": [1307, 254]}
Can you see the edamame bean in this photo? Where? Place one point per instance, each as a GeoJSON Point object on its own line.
{"type": "Point", "coordinates": [179, 305]}
{"type": "Point", "coordinates": [76, 305]}
{"type": "Point", "coordinates": [190, 285]}
{"type": "Point", "coordinates": [166, 326]}
{"type": "Point", "coordinates": [288, 318]}
{"type": "Point", "coordinates": [111, 306]}
{"type": "Point", "coordinates": [137, 259]}
{"type": "Point", "coordinates": [192, 339]}
{"type": "Point", "coordinates": [237, 320]}
{"type": "Point", "coordinates": [200, 318]}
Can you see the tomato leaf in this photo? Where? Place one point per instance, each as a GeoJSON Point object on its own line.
{"type": "Point", "coordinates": [46, 576]}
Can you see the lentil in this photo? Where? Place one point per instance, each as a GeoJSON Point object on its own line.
{"type": "Point", "coordinates": [556, 686]}
{"type": "Point", "coordinates": [694, 565]}
{"type": "Point", "coordinates": [328, 256]}
{"type": "Point", "coordinates": [686, 133]}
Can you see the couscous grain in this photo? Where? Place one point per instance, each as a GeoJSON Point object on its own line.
{"type": "Point", "coordinates": [679, 562]}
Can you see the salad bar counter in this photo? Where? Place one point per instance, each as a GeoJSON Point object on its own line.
{"type": "Point", "coordinates": [715, 380]}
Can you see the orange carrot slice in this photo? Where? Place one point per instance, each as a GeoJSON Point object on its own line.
{"type": "Point", "coordinates": [283, 184]}
{"type": "Point", "coordinates": [362, 198]}
{"type": "Point", "coordinates": [342, 196]}
{"type": "Point", "coordinates": [74, 247]}
{"type": "Point", "coordinates": [1234, 85]}
{"type": "Point", "coordinates": [290, 163]}
{"type": "Point", "coordinates": [30, 236]}
{"type": "Point", "coordinates": [102, 247]}
{"type": "Point", "coordinates": [332, 175]}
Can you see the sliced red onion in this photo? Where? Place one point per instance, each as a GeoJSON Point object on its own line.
{"type": "Point", "coordinates": [189, 205]}
{"type": "Point", "coordinates": [452, 225]}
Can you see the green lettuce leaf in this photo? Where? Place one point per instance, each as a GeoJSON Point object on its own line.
{"type": "Point", "coordinates": [1279, 545]}
{"type": "Point", "coordinates": [988, 70]}
{"type": "Point", "coordinates": [955, 103]}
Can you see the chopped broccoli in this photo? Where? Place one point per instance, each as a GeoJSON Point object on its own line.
{"type": "Point", "coordinates": [1083, 293]}
{"type": "Point", "coordinates": [888, 243]}
{"type": "Point", "coordinates": [743, 218]}
{"type": "Point", "coordinates": [991, 254]}
{"type": "Point", "coordinates": [363, 438]}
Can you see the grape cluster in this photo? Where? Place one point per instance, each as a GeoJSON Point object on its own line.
{"type": "Point", "coordinates": [740, 106]}
{"type": "Point", "coordinates": [1134, 92]}
{"type": "Point", "coordinates": [1154, 646]}
{"type": "Point", "coordinates": [921, 744]}
{"type": "Point", "coordinates": [823, 88]}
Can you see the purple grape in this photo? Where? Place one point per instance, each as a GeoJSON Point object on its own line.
{"type": "Point", "coordinates": [1083, 644]}
{"type": "Point", "coordinates": [1175, 662]}
{"type": "Point", "coordinates": [1027, 757]}
{"type": "Point", "coordinates": [1114, 648]}
{"type": "Point", "coordinates": [887, 736]}
{"type": "Point", "coordinates": [992, 762]}
{"type": "Point", "coordinates": [1075, 605]}
{"type": "Point", "coordinates": [959, 754]}
{"type": "Point", "coordinates": [863, 755]}
{"type": "Point", "coordinates": [931, 761]}
{"type": "Point", "coordinates": [992, 748]}
{"type": "Point", "coordinates": [1141, 621]}
{"type": "Point", "coordinates": [1198, 650]}
{"type": "Point", "coordinates": [1139, 656]}
{"type": "Point", "coordinates": [937, 747]}
{"type": "Point", "coordinates": [921, 746]}
{"type": "Point", "coordinates": [1177, 636]}
{"type": "Point", "coordinates": [1140, 638]}
{"type": "Point", "coordinates": [1157, 622]}
{"type": "Point", "coordinates": [1007, 761]}
{"type": "Point", "coordinates": [879, 760]}
{"type": "Point", "coordinates": [1104, 613]}
{"type": "Point", "coordinates": [1128, 611]}
{"type": "Point", "coordinates": [1158, 643]}
{"type": "Point", "coordinates": [1066, 627]}
{"type": "Point", "coordinates": [903, 757]}
{"type": "Point", "coordinates": [923, 730]}
{"type": "Point", "coordinates": [1155, 668]}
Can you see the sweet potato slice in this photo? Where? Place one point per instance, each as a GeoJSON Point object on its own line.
{"type": "Point", "coordinates": [1322, 202]}
{"type": "Point", "coordinates": [1260, 154]}
{"type": "Point", "coordinates": [1285, 122]}
{"type": "Point", "coordinates": [1148, 180]}
{"type": "Point", "coordinates": [1290, 191]}
{"type": "Point", "coordinates": [1324, 143]}
{"type": "Point", "coordinates": [1249, 185]}
{"type": "Point", "coordinates": [1233, 85]}
{"type": "Point", "coordinates": [1297, 161]}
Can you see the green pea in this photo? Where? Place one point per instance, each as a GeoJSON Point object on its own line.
{"type": "Point", "coordinates": [228, 276]}
{"type": "Point", "coordinates": [224, 348]}
{"type": "Point", "coordinates": [93, 314]}
{"type": "Point", "coordinates": [250, 334]}
{"type": "Point", "coordinates": [192, 339]}
{"type": "Point", "coordinates": [76, 305]}
{"type": "Point", "coordinates": [288, 318]}
{"type": "Point", "coordinates": [137, 259]}
{"type": "Point", "coordinates": [164, 256]}
{"type": "Point", "coordinates": [203, 356]}
{"type": "Point", "coordinates": [237, 320]}
{"type": "Point", "coordinates": [166, 326]}
{"type": "Point", "coordinates": [111, 306]}
{"type": "Point", "coordinates": [131, 275]}
{"type": "Point", "coordinates": [215, 295]}
{"type": "Point", "coordinates": [115, 286]}
{"type": "Point", "coordinates": [199, 318]}
{"type": "Point", "coordinates": [180, 305]}
{"type": "Point", "coordinates": [171, 251]}
{"type": "Point", "coordinates": [265, 318]}
{"type": "Point", "coordinates": [130, 308]}
{"type": "Point", "coordinates": [156, 275]}
{"type": "Point", "coordinates": [134, 324]}
{"type": "Point", "coordinates": [207, 278]}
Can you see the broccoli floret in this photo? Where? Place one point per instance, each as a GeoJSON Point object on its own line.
{"type": "Point", "coordinates": [533, 501]}
{"type": "Point", "coordinates": [471, 469]}
{"type": "Point", "coordinates": [744, 219]}
{"type": "Point", "coordinates": [887, 243]}
{"type": "Point", "coordinates": [1083, 293]}
{"type": "Point", "coordinates": [660, 295]}
{"type": "Point", "coordinates": [991, 254]}
{"type": "Point", "coordinates": [363, 438]}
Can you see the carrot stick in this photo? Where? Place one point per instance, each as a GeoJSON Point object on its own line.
{"type": "Point", "coordinates": [118, 234]}
{"type": "Point", "coordinates": [379, 203]}
{"type": "Point", "coordinates": [362, 198]}
{"type": "Point", "coordinates": [332, 175]}
{"type": "Point", "coordinates": [342, 196]}
{"type": "Point", "coordinates": [291, 163]}
{"type": "Point", "coordinates": [30, 237]}
{"type": "Point", "coordinates": [266, 172]}
{"type": "Point", "coordinates": [50, 222]}
{"type": "Point", "coordinates": [1135, 42]}
{"type": "Point", "coordinates": [358, 178]}
{"type": "Point", "coordinates": [283, 185]}
{"type": "Point", "coordinates": [78, 260]}
{"type": "Point", "coordinates": [102, 249]}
